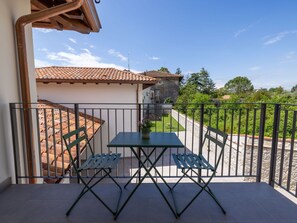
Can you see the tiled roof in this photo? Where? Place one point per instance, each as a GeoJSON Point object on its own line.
{"type": "Point", "coordinates": [160, 74]}
{"type": "Point", "coordinates": [55, 121]}
{"type": "Point", "coordinates": [89, 75]}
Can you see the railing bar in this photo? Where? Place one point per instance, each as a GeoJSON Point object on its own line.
{"type": "Point", "coordinates": [245, 140]}
{"type": "Point", "coordinates": [38, 138]}
{"type": "Point", "coordinates": [123, 159]}
{"type": "Point", "coordinates": [116, 131]}
{"type": "Point", "coordinates": [86, 155]}
{"type": "Point", "coordinates": [186, 128]}
{"type": "Point", "coordinates": [61, 140]}
{"type": "Point", "coordinates": [291, 151]}
{"type": "Point", "coordinates": [46, 141]}
{"type": "Point", "coordinates": [283, 148]}
{"type": "Point", "coordinates": [130, 150]}
{"type": "Point", "coordinates": [253, 140]}
{"type": "Point", "coordinates": [238, 141]}
{"type": "Point", "coordinates": [54, 141]}
{"type": "Point", "coordinates": [223, 154]}
{"type": "Point", "coordinates": [208, 146]}
{"type": "Point", "coordinates": [108, 128]}
{"type": "Point", "coordinates": [93, 128]}
{"type": "Point", "coordinates": [231, 140]}
{"type": "Point", "coordinates": [77, 125]}
{"type": "Point", "coordinates": [217, 127]}
{"type": "Point", "coordinates": [178, 118]}
{"type": "Point", "coordinates": [170, 150]}
{"type": "Point", "coordinates": [274, 145]}
{"type": "Point", "coordinates": [68, 121]}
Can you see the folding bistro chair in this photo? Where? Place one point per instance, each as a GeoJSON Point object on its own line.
{"type": "Point", "coordinates": [196, 163]}
{"type": "Point", "coordinates": [99, 163]}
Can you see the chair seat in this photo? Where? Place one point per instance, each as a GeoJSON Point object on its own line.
{"type": "Point", "coordinates": [101, 161]}
{"type": "Point", "coordinates": [194, 161]}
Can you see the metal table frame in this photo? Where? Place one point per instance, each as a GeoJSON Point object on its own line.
{"type": "Point", "coordinates": [157, 140]}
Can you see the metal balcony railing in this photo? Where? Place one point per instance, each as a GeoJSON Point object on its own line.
{"type": "Point", "coordinates": [261, 145]}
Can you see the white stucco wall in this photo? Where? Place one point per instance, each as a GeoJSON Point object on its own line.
{"type": "Point", "coordinates": [10, 11]}
{"type": "Point", "coordinates": [89, 93]}
{"type": "Point", "coordinates": [102, 93]}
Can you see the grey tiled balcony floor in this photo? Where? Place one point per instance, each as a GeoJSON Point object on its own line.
{"type": "Point", "coordinates": [244, 202]}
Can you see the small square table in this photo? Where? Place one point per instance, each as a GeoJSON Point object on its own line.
{"type": "Point", "coordinates": [158, 140]}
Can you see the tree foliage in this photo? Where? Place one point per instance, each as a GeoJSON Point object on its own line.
{"type": "Point", "coordinates": [294, 89]}
{"type": "Point", "coordinates": [164, 69]}
{"type": "Point", "coordinates": [201, 80]}
{"type": "Point", "coordinates": [239, 85]}
{"type": "Point", "coordinates": [178, 71]}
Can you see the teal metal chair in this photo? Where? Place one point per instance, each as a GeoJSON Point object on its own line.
{"type": "Point", "coordinates": [99, 163]}
{"type": "Point", "coordinates": [187, 162]}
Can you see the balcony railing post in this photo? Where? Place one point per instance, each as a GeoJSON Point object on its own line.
{"type": "Point", "coordinates": [201, 121]}
{"type": "Point", "coordinates": [15, 139]}
{"type": "Point", "coordinates": [139, 129]}
{"type": "Point", "coordinates": [261, 141]}
{"type": "Point", "coordinates": [76, 114]}
{"type": "Point", "coordinates": [274, 145]}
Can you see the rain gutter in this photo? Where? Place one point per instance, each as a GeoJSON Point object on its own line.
{"type": "Point", "coordinates": [24, 73]}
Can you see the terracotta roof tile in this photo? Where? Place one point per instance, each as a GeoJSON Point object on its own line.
{"type": "Point", "coordinates": [89, 75]}
{"type": "Point", "coordinates": [55, 121]}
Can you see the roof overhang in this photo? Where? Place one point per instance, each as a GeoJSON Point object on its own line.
{"type": "Point", "coordinates": [72, 81]}
{"type": "Point", "coordinates": [84, 19]}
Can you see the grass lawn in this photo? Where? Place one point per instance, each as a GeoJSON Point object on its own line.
{"type": "Point", "coordinates": [167, 124]}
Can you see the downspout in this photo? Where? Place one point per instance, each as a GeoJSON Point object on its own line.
{"type": "Point", "coordinates": [24, 72]}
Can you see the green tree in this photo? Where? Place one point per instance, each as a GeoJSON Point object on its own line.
{"type": "Point", "coordinates": [201, 80]}
{"type": "Point", "coordinates": [294, 89]}
{"type": "Point", "coordinates": [277, 90]}
{"type": "Point", "coordinates": [239, 85]}
{"type": "Point", "coordinates": [164, 69]}
{"type": "Point", "coordinates": [178, 71]}
{"type": "Point", "coordinates": [261, 95]}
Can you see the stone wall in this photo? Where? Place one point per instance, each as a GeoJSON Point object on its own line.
{"type": "Point", "coordinates": [282, 165]}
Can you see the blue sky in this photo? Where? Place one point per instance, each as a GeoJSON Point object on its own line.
{"type": "Point", "coordinates": [252, 38]}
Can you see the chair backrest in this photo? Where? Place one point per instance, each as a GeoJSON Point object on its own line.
{"type": "Point", "coordinates": [73, 139]}
{"type": "Point", "coordinates": [219, 139]}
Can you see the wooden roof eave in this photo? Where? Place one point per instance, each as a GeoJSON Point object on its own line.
{"type": "Point", "coordinates": [89, 22]}
{"type": "Point", "coordinates": [91, 15]}
{"type": "Point", "coordinates": [152, 82]}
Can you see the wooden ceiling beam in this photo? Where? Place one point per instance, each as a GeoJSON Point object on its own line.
{"type": "Point", "coordinates": [66, 23]}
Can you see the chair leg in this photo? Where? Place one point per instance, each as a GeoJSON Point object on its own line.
{"type": "Point", "coordinates": [179, 179]}
{"type": "Point", "coordinates": [121, 191]}
{"type": "Point", "coordinates": [89, 188]}
{"type": "Point", "coordinates": [203, 188]}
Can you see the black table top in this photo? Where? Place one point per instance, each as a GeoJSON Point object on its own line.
{"type": "Point", "coordinates": [134, 139]}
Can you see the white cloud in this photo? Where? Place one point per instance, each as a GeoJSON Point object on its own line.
{"type": "Point", "coordinates": [70, 49]}
{"type": "Point", "coordinates": [72, 40]}
{"type": "Point", "coordinates": [83, 59]}
{"type": "Point", "coordinates": [220, 83]}
{"type": "Point", "coordinates": [254, 68]}
{"type": "Point", "coordinates": [92, 46]}
{"type": "Point", "coordinates": [44, 30]}
{"type": "Point", "coordinates": [289, 57]}
{"type": "Point", "coordinates": [277, 37]}
{"type": "Point", "coordinates": [43, 49]}
{"type": "Point", "coordinates": [154, 58]}
{"type": "Point", "coordinates": [41, 63]}
{"type": "Point", "coordinates": [240, 31]}
{"type": "Point", "coordinates": [117, 54]}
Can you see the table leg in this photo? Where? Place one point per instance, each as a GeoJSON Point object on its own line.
{"type": "Point", "coordinates": [147, 159]}
{"type": "Point", "coordinates": [141, 180]}
{"type": "Point", "coordinates": [140, 166]}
